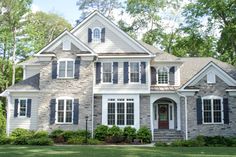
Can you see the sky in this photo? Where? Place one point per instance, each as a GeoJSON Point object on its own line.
{"type": "Point", "coordinates": [64, 8]}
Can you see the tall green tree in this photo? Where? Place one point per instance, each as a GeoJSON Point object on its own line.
{"type": "Point", "coordinates": [12, 17]}
{"type": "Point", "coordinates": [221, 14]}
{"type": "Point", "coordinates": [106, 7]}
{"type": "Point", "coordinates": [40, 29]}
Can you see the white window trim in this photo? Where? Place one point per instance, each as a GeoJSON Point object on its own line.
{"type": "Point", "coordinates": [96, 40]}
{"type": "Point", "coordinates": [125, 113]}
{"type": "Point", "coordinates": [102, 73]}
{"type": "Point", "coordinates": [209, 79]}
{"type": "Point", "coordinates": [139, 63]}
{"type": "Point", "coordinates": [168, 77]}
{"type": "Point", "coordinates": [58, 65]}
{"type": "Point", "coordinates": [212, 97]}
{"type": "Point", "coordinates": [26, 99]}
{"type": "Point", "coordinates": [72, 118]}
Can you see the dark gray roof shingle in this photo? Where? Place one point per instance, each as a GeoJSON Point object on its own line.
{"type": "Point", "coordinates": [31, 83]}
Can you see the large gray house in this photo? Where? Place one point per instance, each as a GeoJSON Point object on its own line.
{"type": "Point", "coordinates": [97, 70]}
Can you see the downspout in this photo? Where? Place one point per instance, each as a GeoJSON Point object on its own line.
{"type": "Point", "coordinates": [186, 114]}
{"type": "Point", "coordinates": [8, 113]}
{"type": "Point", "coordinates": [93, 96]}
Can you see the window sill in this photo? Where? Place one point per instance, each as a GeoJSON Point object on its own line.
{"type": "Point", "coordinates": [212, 123]}
{"type": "Point", "coordinates": [65, 78]}
{"type": "Point", "coordinates": [64, 123]}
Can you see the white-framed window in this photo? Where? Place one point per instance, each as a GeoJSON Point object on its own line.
{"type": "Point", "coordinates": [66, 68]}
{"type": "Point", "coordinates": [120, 112]}
{"type": "Point", "coordinates": [212, 109]}
{"type": "Point", "coordinates": [64, 110]}
{"type": "Point", "coordinates": [22, 109]}
{"type": "Point", "coordinates": [107, 71]}
{"type": "Point", "coordinates": [163, 75]}
{"type": "Point", "coordinates": [96, 36]}
{"type": "Point", "coordinates": [134, 70]}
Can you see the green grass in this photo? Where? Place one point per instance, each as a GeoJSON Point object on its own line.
{"type": "Point", "coordinates": [113, 151]}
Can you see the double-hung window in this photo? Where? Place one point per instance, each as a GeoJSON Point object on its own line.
{"type": "Point", "coordinates": [22, 107]}
{"type": "Point", "coordinates": [120, 112]}
{"type": "Point", "coordinates": [66, 68]}
{"type": "Point", "coordinates": [134, 72]}
{"type": "Point", "coordinates": [212, 110]}
{"type": "Point", "coordinates": [163, 75]}
{"type": "Point", "coordinates": [64, 110]}
{"type": "Point", "coordinates": [107, 72]}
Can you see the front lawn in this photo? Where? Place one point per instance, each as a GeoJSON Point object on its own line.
{"type": "Point", "coordinates": [113, 151]}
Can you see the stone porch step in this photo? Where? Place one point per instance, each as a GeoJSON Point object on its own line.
{"type": "Point", "coordinates": [167, 135]}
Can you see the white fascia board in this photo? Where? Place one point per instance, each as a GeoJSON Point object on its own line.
{"type": "Point", "coordinates": [116, 27]}
{"type": "Point", "coordinates": [22, 91]}
{"type": "Point", "coordinates": [86, 55]}
{"type": "Point", "coordinates": [163, 91]}
{"type": "Point", "coordinates": [228, 78]}
{"type": "Point", "coordinates": [60, 36]}
{"type": "Point", "coordinates": [124, 57]}
{"type": "Point", "coordinates": [4, 94]}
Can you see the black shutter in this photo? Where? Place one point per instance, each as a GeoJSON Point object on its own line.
{"type": "Point", "coordinates": [226, 110]}
{"type": "Point", "coordinates": [172, 76]}
{"type": "Point", "coordinates": [126, 72]}
{"type": "Point", "coordinates": [89, 35]}
{"type": "Point", "coordinates": [54, 69]}
{"type": "Point", "coordinates": [153, 76]}
{"type": "Point", "coordinates": [199, 110]}
{"type": "Point", "coordinates": [143, 72]}
{"type": "Point", "coordinates": [76, 112]}
{"type": "Point", "coordinates": [103, 35]}
{"type": "Point", "coordinates": [98, 72]}
{"type": "Point", "coordinates": [77, 67]}
{"type": "Point", "coordinates": [29, 102]}
{"type": "Point", "coordinates": [52, 111]}
{"type": "Point", "coordinates": [115, 72]}
{"type": "Point", "coordinates": [16, 107]}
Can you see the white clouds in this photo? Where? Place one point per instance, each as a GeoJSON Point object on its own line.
{"type": "Point", "coordinates": [35, 8]}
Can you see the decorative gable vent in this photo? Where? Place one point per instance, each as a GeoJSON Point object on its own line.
{"type": "Point", "coordinates": [66, 45]}
{"type": "Point", "coordinates": [211, 78]}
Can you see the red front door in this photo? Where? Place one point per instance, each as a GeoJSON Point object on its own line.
{"type": "Point", "coordinates": [163, 116]}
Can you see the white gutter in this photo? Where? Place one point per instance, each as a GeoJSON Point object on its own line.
{"type": "Point", "coordinates": [8, 114]}
{"type": "Point", "coordinates": [124, 56]}
{"type": "Point", "coordinates": [186, 114]}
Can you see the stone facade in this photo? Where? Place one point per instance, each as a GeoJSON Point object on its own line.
{"type": "Point", "coordinates": [217, 89]}
{"type": "Point", "coordinates": [76, 88]}
{"type": "Point", "coordinates": [145, 111]}
{"type": "Point", "coordinates": [97, 111]}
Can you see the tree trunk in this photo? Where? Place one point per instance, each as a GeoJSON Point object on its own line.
{"type": "Point", "coordinates": [14, 57]}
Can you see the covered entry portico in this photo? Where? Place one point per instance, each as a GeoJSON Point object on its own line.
{"type": "Point", "coordinates": [165, 111]}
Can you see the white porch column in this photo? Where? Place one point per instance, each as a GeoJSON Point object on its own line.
{"type": "Point", "coordinates": [178, 117]}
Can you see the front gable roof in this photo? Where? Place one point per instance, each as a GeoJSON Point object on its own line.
{"type": "Point", "coordinates": [117, 31]}
{"type": "Point", "coordinates": [210, 67]}
{"type": "Point", "coordinates": [47, 50]}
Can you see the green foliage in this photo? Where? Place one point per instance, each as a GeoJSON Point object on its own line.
{"type": "Point", "coordinates": [6, 140]}
{"type": "Point", "coordinates": [161, 144]}
{"type": "Point", "coordinates": [114, 135]}
{"type": "Point", "coordinates": [2, 121]}
{"type": "Point", "coordinates": [40, 134]}
{"type": "Point", "coordinates": [187, 143]}
{"type": "Point", "coordinates": [129, 134]}
{"type": "Point", "coordinates": [92, 141]}
{"type": "Point", "coordinates": [76, 140]}
{"type": "Point", "coordinates": [19, 132]}
{"type": "Point", "coordinates": [144, 134]}
{"type": "Point", "coordinates": [57, 136]}
{"type": "Point", "coordinates": [100, 132]}
{"type": "Point", "coordinates": [42, 141]}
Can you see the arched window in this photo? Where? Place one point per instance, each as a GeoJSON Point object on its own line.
{"type": "Point", "coordinates": [163, 75]}
{"type": "Point", "coordinates": [96, 34]}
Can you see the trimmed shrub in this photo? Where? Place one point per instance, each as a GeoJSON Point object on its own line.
{"type": "Point", "coordinates": [129, 134]}
{"type": "Point", "coordinates": [19, 132]}
{"type": "Point", "coordinates": [78, 140]}
{"type": "Point", "coordinates": [69, 135]}
{"type": "Point", "coordinates": [92, 141]}
{"type": "Point", "coordinates": [82, 133]}
{"type": "Point", "coordinates": [57, 136]}
{"type": "Point", "coordinates": [161, 144]}
{"type": "Point", "coordinates": [6, 140]}
{"type": "Point", "coordinates": [22, 140]}
{"type": "Point", "coordinates": [100, 132]}
{"type": "Point", "coordinates": [43, 141]}
{"type": "Point", "coordinates": [114, 135]}
{"type": "Point", "coordinates": [40, 134]}
{"type": "Point", "coordinates": [144, 134]}
{"type": "Point", "coordinates": [218, 141]}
